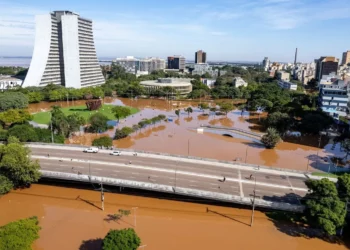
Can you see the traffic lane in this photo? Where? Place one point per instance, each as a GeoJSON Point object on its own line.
{"type": "Point", "coordinates": [273, 194]}
{"type": "Point", "coordinates": [195, 182]}
{"type": "Point", "coordinates": [200, 169]}
{"type": "Point", "coordinates": [275, 179]}
{"type": "Point", "coordinates": [278, 179]}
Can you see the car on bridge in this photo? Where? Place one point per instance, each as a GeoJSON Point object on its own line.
{"type": "Point", "coordinates": [90, 150]}
{"type": "Point", "coordinates": [116, 153]}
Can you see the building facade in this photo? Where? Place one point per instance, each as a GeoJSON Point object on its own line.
{"type": "Point", "coordinates": [346, 58]}
{"type": "Point", "coordinates": [183, 86]}
{"type": "Point", "coordinates": [282, 75]}
{"type": "Point", "coordinates": [176, 62]}
{"type": "Point", "coordinates": [266, 63]}
{"type": "Point", "coordinates": [238, 81]}
{"type": "Point", "coordinates": [200, 57]}
{"type": "Point", "coordinates": [333, 98]}
{"type": "Point", "coordinates": [287, 85]}
{"type": "Point", "coordinates": [9, 82]}
{"type": "Point", "coordinates": [325, 66]}
{"type": "Point", "coordinates": [64, 52]}
{"type": "Point", "coordinates": [140, 66]}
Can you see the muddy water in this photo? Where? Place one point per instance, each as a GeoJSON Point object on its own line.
{"type": "Point", "coordinates": [179, 136]}
{"type": "Point", "coordinates": [69, 216]}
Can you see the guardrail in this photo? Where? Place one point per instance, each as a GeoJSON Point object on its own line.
{"type": "Point", "coordinates": [234, 129]}
{"type": "Point", "coordinates": [173, 190]}
{"type": "Point", "coordinates": [261, 167]}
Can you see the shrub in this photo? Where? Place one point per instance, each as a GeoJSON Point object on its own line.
{"type": "Point", "coordinates": [104, 141]}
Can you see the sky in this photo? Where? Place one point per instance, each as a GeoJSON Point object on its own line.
{"type": "Point", "coordinates": [231, 30]}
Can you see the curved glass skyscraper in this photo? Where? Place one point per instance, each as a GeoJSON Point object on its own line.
{"type": "Point", "coordinates": [64, 52]}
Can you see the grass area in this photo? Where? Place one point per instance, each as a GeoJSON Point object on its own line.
{"type": "Point", "coordinates": [332, 175]}
{"type": "Point", "coordinates": [44, 117]}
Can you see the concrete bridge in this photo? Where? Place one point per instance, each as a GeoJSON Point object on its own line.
{"type": "Point", "coordinates": [233, 132]}
{"type": "Point", "coordinates": [190, 176]}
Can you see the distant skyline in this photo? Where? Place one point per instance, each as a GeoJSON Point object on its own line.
{"type": "Point", "coordinates": [234, 30]}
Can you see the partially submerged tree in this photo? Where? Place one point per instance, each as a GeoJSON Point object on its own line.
{"type": "Point", "coordinates": [125, 239]}
{"type": "Point", "coordinates": [188, 110]}
{"type": "Point", "coordinates": [104, 141]}
{"type": "Point", "coordinates": [271, 138]}
{"type": "Point", "coordinates": [121, 112]}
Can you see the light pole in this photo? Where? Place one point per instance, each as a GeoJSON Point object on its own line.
{"type": "Point", "coordinates": [246, 154]}
{"type": "Point", "coordinates": [51, 127]}
{"type": "Point", "coordinates": [188, 148]}
{"type": "Point", "coordinates": [253, 203]}
{"type": "Point", "coordinates": [102, 197]}
{"type": "Point", "coordinates": [134, 209]}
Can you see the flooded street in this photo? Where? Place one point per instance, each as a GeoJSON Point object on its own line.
{"type": "Point", "coordinates": [69, 216]}
{"type": "Point", "coordinates": [179, 136]}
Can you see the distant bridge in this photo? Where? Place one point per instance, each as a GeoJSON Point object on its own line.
{"type": "Point", "coordinates": [245, 134]}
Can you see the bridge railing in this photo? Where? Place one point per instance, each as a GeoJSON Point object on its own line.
{"type": "Point", "coordinates": [171, 189]}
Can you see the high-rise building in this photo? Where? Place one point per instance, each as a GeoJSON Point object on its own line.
{"type": "Point", "coordinates": [134, 65]}
{"type": "Point", "coordinates": [64, 52]}
{"type": "Point", "coordinates": [325, 66]}
{"type": "Point", "coordinates": [346, 58]}
{"type": "Point", "coordinates": [176, 62]}
{"type": "Point", "coordinates": [200, 57]}
{"type": "Point", "coordinates": [266, 63]}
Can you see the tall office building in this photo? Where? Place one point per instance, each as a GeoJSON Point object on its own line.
{"type": "Point", "coordinates": [134, 65]}
{"type": "Point", "coordinates": [325, 66]}
{"type": "Point", "coordinates": [200, 57]}
{"type": "Point", "coordinates": [266, 63]}
{"type": "Point", "coordinates": [64, 52]}
{"type": "Point", "coordinates": [346, 58]}
{"type": "Point", "coordinates": [176, 62]}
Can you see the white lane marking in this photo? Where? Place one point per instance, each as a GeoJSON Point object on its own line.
{"type": "Point", "coordinates": [240, 183]}
{"type": "Point", "coordinates": [193, 181]}
{"type": "Point", "coordinates": [135, 173]}
{"type": "Point", "coordinates": [186, 173]}
{"type": "Point", "coordinates": [99, 169]}
{"type": "Point", "coordinates": [192, 185]}
{"type": "Point", "coordinates": [117, 171]}
{"type": "Point", "coordinates": [213, 184]}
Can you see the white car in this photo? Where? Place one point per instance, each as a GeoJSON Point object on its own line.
{"type": "Point", "coordinates": [91, 150]}
{"type": "Point", "coordinates": [117, 153]}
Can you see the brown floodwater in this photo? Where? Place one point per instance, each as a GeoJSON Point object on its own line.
{"type": "Point", "coordinates": [179, 136]}
{"type": "Point", "coordinates": [69, 216]}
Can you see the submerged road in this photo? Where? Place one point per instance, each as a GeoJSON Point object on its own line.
{"type": "Point", "coordinates": [277, 186]}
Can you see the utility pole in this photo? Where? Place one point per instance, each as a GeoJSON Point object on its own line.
{"type": "Point", "coordinates": [253, 205]}
{"type": "Point", "coordinates": [134, 209]}
{"type": "Point", "coordinates": [51, 129]}
{"type": "Point", "coordinates": [246, 154]}
{"type": "Point", "coordinates": [102, 197]}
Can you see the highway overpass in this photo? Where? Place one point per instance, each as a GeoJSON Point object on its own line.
{"type": "Point", "coordinates": [195, 177]}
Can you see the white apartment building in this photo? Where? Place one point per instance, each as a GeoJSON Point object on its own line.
{"type": "Point", "coordinates": [64, 52]}
{"type": "Point", "coordinates": [287, 85]}
{"type": "Point", "coordinates": [282, 75]}
{"type": "Point", "coordinates": [238, 81]}
{"type": "Point", "coordinates": [140, 66]}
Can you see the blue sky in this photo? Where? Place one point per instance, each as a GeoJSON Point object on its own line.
{"type": "Point", "coordinates": [233, 30]}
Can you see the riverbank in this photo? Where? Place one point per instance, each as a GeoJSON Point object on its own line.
{"type": "Point", "coordinates": [69, 216]}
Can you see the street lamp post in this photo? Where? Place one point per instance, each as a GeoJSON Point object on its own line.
{"type": "Point", "coordinates": [51, 128]}
{"type": "Point", "coordinates": [246, 154]}
{"type": "Point", "coordinates": [102, 197]}
{"type": "Point", "coordinates": [253, 207]}
{"type": "Point", "coordinates": [134, 209]}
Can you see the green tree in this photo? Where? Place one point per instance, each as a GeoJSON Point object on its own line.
{"type": "Point", "coordinates": [161, 117]}
{"type": "Point", "coordinates": [35, 97]}
{"type": "Point", "coordinates": [324, 209]}
{"type": "Point", "coordinates": [13, 100]}
{"type": "Point", "coordinates": [177, 112]}
{"type": "Point", "coordinates": [188, 110]}
{"type": "Point", "coordinates": [6, 185]}
{"type": "Point", "coordinates": [271, 138]}
{"type": "Point", "coordinates": [24, 132]}
{"type": "Point", "coordinates": [121, 112]}
{"type": "Point", "coordinates": [75, 121]}
{"type": "Point", "coordinates": [345, 145]}
{"type": "Point", "coordinates": [104, 141]}
{"type": "Point", "coordinates": [203, 105]}
{"type": "Point", "coordinates": [19, 235]}
{"type": "Point", "coordinates": [279, 121]}
{"type": "Point", "coordinates": [344, 186]}
{"type": "Point", "coordinates": [120, 134]}
{"type": "Point", "coordinates": [226, 107]}
{"type": "Point", "coordinates": [16, 165]}
{"type": "Point", "coordinates": [15, 116]}
{"type": "Point", "coordinates": [127, 130]}
{"type": "Point", "coordinates": [125, 239]}
{"type": "Point", "coordinates": [314, 122]}
{"type": "Point", "coordinates": [98, 123]}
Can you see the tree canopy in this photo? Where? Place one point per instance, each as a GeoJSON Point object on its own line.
{"type": "Point", "coordinates": [324, 209]}
{"type": "Point", "coordinates": [98, 123]}
{"type": "Point", "coordinates": [19, 235]}
{"type": "Point", "coordinates": [121, 112]}
{"type": "Point", "coordinates": [13, 116]}
{"type": "Point", "coordinates": [13, 100]}
{"type": "Point", "coordinates": [125, 239]}
{"type": "Point", "coordinates": [104, 141]}
{"type": "Point", "coordinates": [271, 138]}
{"type": "Point", "coordinates": [16, 165]}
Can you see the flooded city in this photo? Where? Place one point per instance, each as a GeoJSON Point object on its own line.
{"type": "Point", "coordinates": [179, 136]}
